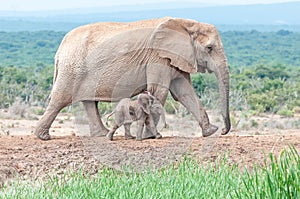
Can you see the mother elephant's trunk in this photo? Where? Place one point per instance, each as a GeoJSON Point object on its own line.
{"type": "Point", "coordinates": [222, 75]}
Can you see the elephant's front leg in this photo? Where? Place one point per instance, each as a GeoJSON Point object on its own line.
{"type": "Point", "coordinates": [140, 128]}
{"type": "Point", "coordinates": [96, 126]}
{"type": "Point", "coordinates": [151, 126]}
{"type": "Point", "coordinates": [183, 91]}
{"type": "Point", "coordinates": [158, 82]}
{"type": "Point", "coordinates": [161, 93]}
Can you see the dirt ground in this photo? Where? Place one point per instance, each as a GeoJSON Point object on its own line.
{"type": "Point", "coordinates": [24, 156]}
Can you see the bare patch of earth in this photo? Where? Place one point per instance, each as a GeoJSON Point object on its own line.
{"type": "Point", "coordinates": [24, 156]}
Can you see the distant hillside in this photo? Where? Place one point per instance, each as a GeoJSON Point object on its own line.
{"type": "Point", "coordinates": [282, 15]}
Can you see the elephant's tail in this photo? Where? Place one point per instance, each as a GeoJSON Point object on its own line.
{"type": "Point", "coordinates": [55, 71]}
{"type": "Point", "coordinates": [107, 117]}
{"type": "Point", "coordinates": [54, 75]}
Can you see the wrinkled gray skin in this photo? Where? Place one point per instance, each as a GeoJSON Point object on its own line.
{"type": "Point", "coordinates": [156, 111]}
{"type": "Point", "coordinates": [138, 110]}
{"type": "Point", "coordinates": [111, 61]}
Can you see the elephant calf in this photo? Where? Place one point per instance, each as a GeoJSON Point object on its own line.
{"type": "Point", "coordinates": [138, 110]}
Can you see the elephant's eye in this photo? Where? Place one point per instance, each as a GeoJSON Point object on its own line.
{"type": "Point", "coordinates": [209, 48]}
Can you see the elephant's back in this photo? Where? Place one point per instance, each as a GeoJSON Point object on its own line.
{"type": "Point", "coordinates": [115, 27]}
{"type": "Point", "coordinates": [83, 38]}
{"type": "Point", "coordinates": [102, 31]}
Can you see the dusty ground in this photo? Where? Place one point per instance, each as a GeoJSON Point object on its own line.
{"type": "Point", "coordinates": [23, 155]}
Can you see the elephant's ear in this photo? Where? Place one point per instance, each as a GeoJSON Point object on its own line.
{"type": "Point", "coordinates": [131, 111]}
{"type": "Point", "coordinates": [145, 101]}
{"type": "Point", "coordinates": [172, 40]}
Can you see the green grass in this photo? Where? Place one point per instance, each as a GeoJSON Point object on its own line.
{"type": "Point", "coordinates": [279, 178]}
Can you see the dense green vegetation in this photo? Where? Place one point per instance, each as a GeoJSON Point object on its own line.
{"type": "Point", "coordinates": [264, 69]}
{"type": "Point", "coordinates": [31, 84]}
{"type": "Point", "coordinates": [279, 179]}
{"type": "Point", "coordinates": [270, 88]}
{"type": "Point", "coordinates": [34, 49]}
{"type": "Point", "coordinates": [252, 47]}
{"type": "Point", "coordinates": [267, 88]}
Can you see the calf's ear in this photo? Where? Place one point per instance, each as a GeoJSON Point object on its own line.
{"type": "Point", "coordinates": [144, 102]}
{"type": "Point", "coordinates": [131, 111]}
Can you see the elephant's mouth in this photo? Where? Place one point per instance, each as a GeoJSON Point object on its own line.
{"type": "Point", "coordinates": [202, 67]}
{"type": "Point", "coordinates": [207, 68]}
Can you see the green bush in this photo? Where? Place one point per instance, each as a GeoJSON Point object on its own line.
{"type": "Point", "coordinates": [39, 111]}
{"type": "Point", "coordinates": [267, 89]}
{"type": "Point", "coordinates": [262, 102]}
{"type": "Point", "coordinates": [286, 113]}
{"type": "Point", "coordinates": [199, 83]}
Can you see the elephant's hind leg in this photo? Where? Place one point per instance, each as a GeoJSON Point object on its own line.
{"type": "Point", "coordinates": [111, 133]}
{"type": "Point", "coordinates": [42, 129]}
{"type": "Point", "coordinates": [96, 126]}
{"type": "Point", "coordinates": [128, 135]}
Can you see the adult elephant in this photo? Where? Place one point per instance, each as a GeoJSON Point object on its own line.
{"type": "Point", "coordinates": [110, 61]}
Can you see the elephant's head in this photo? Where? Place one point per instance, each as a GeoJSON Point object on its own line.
{"type": "Point", "coordinates": [145, 102]}
{"type": "Point", "coordinates": [195, 47]}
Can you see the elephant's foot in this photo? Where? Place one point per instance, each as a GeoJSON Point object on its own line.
{"type": "Point", "coordinates": [129, 137]}
{"type": "Point", "coordinates": [210, 130]}
{"type": "Point", "coordinates": [42, 134]}
{"type": "Point", "coordinates": [224, 131]}
{"type": "Point", "coordinates": [158, 136]}
{"type": "Point", "coordinates": [148, 135]}
{"type": "Point", "coordinates": [110, 136]}
{"type": "Point", "coordinates": [99, 133]}
{"type": "Point", "coordinates": [138, 138]}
